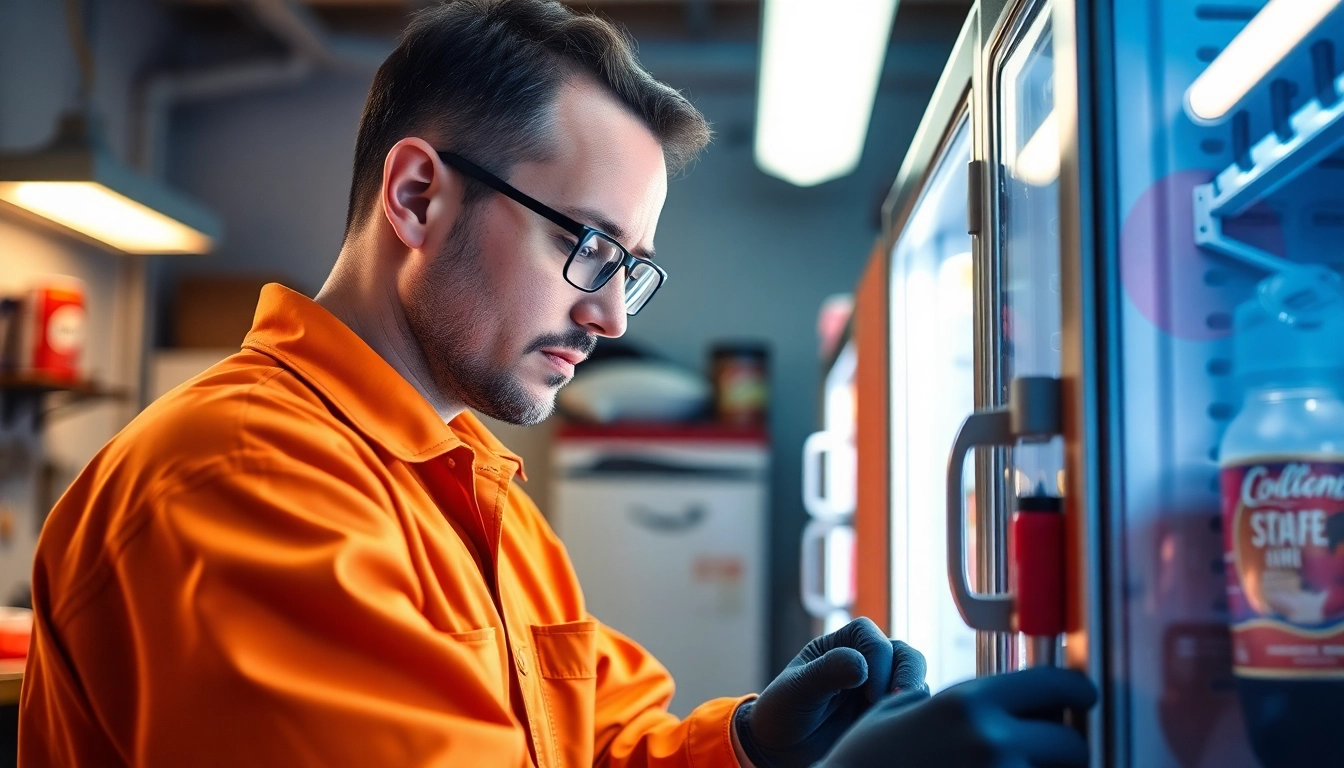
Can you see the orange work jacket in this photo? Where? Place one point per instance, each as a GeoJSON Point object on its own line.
{"type": "Point", "coordinates": [292, 561]}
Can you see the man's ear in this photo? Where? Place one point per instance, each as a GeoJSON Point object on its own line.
{"type": "Point", "coordinates": [420, 198]}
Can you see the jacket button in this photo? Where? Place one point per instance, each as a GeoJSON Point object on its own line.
{"type": "Point", "coordinates": [520, 653]}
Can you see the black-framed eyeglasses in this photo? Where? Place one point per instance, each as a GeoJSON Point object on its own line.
{"type": "Point", "coordinates": [595, 257]}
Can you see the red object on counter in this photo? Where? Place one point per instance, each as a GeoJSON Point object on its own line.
{"type": "Point", "coordinates": [16, 629]}
{"type": "Point", "coordinates": [1037, 539]}
{"type": "Point", "coordinates": [53, 329]}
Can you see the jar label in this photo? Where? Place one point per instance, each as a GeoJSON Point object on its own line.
{"type": "Point", "coordinates": [1283, 539]}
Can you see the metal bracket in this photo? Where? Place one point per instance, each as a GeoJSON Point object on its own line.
{"type": "Point", "coordinates": [1209, 234]}
{"type": "Point", "coordinates": [1312, 133]}
{"type": "Point", "coordinates": [1298, 142]}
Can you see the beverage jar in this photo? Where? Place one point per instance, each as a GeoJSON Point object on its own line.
{"type": "Point", "coordinates": [1281, 466]}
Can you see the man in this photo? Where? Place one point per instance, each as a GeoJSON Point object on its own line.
{"type": "Point", "coordinates": [313, 554]}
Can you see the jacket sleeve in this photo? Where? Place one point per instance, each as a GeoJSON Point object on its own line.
{"type": "Point", "coordinates": [285, 589]}
{"type": "Point", "coordinates": [634, 728]}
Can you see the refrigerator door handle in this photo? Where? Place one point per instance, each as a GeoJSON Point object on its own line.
{"type": "Point", "coordinates": [833, 452]}
{"type": "Point", "coordinates": [1033, 413]}
{"type": "Point", "coordinates": [813, 577]}
{"type": "Point", "coordinates": [991, 613]}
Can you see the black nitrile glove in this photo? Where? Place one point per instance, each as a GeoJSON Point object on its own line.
{"type": "Point", "coordinates": [1004, 721]}
{"type": "Point", "coordinates": [822, 692]}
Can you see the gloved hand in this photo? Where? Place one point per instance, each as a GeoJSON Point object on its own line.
{"type": "Point", "coordinates": [822, 692]}
{"type": "Point", "coordinates": [1004, 721]}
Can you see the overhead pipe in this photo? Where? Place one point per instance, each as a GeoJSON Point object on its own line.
{"type": "Point", "coordinates": [311, 48]}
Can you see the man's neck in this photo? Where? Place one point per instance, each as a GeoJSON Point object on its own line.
{"type": "Point", "coordinates": [370, 306]}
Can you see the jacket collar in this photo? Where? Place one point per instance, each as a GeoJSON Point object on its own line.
{"type": "Point", "coordinates": [317, 347]}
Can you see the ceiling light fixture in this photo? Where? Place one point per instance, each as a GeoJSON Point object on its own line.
{"type": "Point", "coordinates": [820, 66]}
{"type": "Point", "coordinates": [77, 184]}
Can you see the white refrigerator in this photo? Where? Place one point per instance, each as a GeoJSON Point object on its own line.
{"type": "Point", "coordinates": [665, 526]}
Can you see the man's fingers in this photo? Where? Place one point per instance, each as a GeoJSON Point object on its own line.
{"type": "Point", "coordinates": [865, 637]}
{"type": "Point", "coordinates": [837, 670]}
{"type": "Point", "coordinates": [1038, 689]}
{"type": "Point", "coordinates": [908, 669]}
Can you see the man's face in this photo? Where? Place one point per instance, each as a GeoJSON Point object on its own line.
{"type": "Point", "coordinates": [498, 324]}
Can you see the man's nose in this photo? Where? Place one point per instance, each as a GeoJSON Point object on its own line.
{"type": "Point", "coordinates": [603, 311]}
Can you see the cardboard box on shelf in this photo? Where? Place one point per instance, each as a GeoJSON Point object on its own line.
{"type": "Point", "coordinates": [215, 311]}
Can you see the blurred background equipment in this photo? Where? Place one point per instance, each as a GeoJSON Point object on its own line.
{"type": "Point", "coordinates": [665, 526]}
{"type": "Point", "coordinates": [830, 483]}
{"type": "Point", "coordinates": [634, 389]}
{"type": "Point", "coordinates": [664, 510]}
{"type": "Point", "coordinates": [741, 375]}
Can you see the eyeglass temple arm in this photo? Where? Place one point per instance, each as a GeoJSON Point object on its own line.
{"type": "Point", "coordinates": [499, 185]}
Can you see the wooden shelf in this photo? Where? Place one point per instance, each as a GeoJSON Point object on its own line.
{"type": "Point", "coordinates": [43, 384]}
{"type": "Point", "coordinates": [18, 388]}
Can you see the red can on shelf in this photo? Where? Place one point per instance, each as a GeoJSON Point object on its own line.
{"type": "Point", "coordinates": [52, 329]}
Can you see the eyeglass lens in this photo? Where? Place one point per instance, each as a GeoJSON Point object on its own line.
{"type": "Point", "coordinates": [598, 258]}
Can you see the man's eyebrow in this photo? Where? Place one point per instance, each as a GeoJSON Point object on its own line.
{"type": "Point", "coordinates": [595, 219]}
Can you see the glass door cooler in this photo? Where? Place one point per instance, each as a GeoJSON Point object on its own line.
{"type": "Point", "coordinates": [1115, 244]}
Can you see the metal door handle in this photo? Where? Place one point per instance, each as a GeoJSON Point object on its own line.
{"type": "Point", "coordinates": [1033, 412]}
{"type": "Point", "coordinates": [837, 454]}
{"type": "Point", "coordinates": [813, 582]}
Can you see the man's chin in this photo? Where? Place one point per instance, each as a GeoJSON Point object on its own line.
{"type": "Point", "coordinates": [522, 407]}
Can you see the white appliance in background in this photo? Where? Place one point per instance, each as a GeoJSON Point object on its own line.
{"type": "Point", "coordinates": [666, 530]}
{"type": "Point", "coordinates": [830, 492]}
{"type": "Point", "coordinates": [169, 368]}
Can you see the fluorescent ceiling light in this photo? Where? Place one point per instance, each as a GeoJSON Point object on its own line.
{"type": "Point", "coordinates": [1038, 162]}
{"type": "Point", "coordinates": [1262, 43]}
{"type": "Point", "coordinates": [820, 65]}
{"type": "Point", "coordinates": [76, 183]}
{"type": "Point", "coordinates": [100, 213]}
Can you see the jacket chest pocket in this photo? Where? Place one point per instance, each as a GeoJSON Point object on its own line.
{"type": "Point", "coordinates": [567, 672]}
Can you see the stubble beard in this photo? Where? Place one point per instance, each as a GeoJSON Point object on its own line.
{"type": "Point", "coordinates": [440, 311]}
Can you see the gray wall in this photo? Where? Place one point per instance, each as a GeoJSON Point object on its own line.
{"type": "Point", "coordinates": [750, 256]}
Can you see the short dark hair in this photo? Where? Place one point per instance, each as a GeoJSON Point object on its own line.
{"type": "Point", "coordinates": [486, 73]}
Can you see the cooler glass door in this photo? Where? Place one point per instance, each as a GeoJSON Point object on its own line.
{"type": "Point", "coordinates": [932, 378]}
{"type": "Point", "coordinates": [1225, 536]}
{"type": "Point", "coordinates": [1025, 259]}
